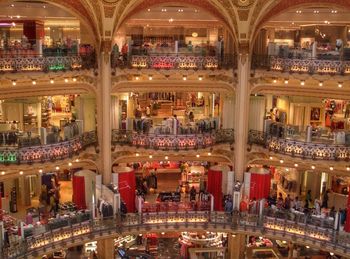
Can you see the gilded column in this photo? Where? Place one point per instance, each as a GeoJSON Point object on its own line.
{"type": "Point", "coordinates": [242, 111]}
{"type": "Point", "coordinates": [104, 111]}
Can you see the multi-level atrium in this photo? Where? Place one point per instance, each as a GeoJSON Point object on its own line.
{"type": "Point", "coordinates": [174, 129]}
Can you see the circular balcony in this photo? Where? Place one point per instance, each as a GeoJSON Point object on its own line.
{"type": "Point", "coordinates": [317, 234]}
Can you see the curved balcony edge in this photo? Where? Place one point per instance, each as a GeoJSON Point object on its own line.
{"type": "Point", "coordinates": [47, 153]}
{"type": "Point", "coordinates": [317, 237]}
{"type": "Point", "coordinates": [299, 149]}
{"type": "Point", "coordinates": [173, 141]}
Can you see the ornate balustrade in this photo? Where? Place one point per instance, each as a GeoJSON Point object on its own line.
{"type": "Point", "coordinates": [47, 153]}
{"type": "Point", "coordinates": [17, 63]}
{"type": "Point", "coordinates": [309, 65]}
{"type": "Point", "coordinates": [172, 142]}
{"type": "Point", "coordinates": [273, 227]}
{"type": "Point", "coordinates": [177, 61]}
{"type": "Point", "coordinates": [300, 149]}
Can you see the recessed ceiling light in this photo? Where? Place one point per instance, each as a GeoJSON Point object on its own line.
{"type": "Point", "coordinates": [320, 83]}
{"type": "Point", "coordinates": [296, 165]}
{"type": "Point", "coordinates": [302, 82]}
{"type": "Point", "coordinates": [313, 167]}
{"type": "Point", "coordinates": [52, 81]}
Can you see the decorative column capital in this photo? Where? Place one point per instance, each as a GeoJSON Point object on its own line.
{"type": "Point", "coordinates": [243, 51]}
{"type": "Point", "coordinates": [106, 49]}
{"type": "Point", "coordinates": [106, 46]}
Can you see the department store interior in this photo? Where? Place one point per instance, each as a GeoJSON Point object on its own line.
{"type": "Point", "coordinates": [153, 145]}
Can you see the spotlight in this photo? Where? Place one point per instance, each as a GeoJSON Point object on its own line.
{"type": "Point", "coordinates": [274, 81]}
{"type": "Point", "coordinates": [340, 85]}
{"type": "Point", "coordinates": [52, 81]}
{"type": "Point", "coordinates": [137, 154]}
{"type": "Point", "coordinates": [66, 80]}
{"type": "Point", "coordinates": [77, 160]}
{"type": "Point", "coordinates": [14, 82]}
{"type": "Point", "coordinates": [3, 172]}
{"type": "Point", "coordinates": [40, 170]}
{"type": "Point", "coordinates": [197, 155]}
{"type": "Point", "coordinates": [270, 157]}
{"type": "Point", "coordinates": [150, 156]}
{"type": "Point", "coordinates": [57, 168]}
{"type": "Point", "coordinates": [307, 247]}
{"type": "Point", "coordinates": [163, 233]}
{"type": "Point", "coordinates": [233, 235]}
{"type": "Point", "coordinates": [209, 154]}
{"type": "Point", "coordinates": [21, 172]}
{"type": "Point", "coordinates": [296, 165]}
{"type": "Point", "coordinates": [166, 157]}
{"type": "Point", "coordinates": [281, 161]}
{"type": "Point", "coordinates": [137, 78]}
{"type": "Point", "coordinates": [33, 82]}
{"type": "Point", "coordinates": [184, 78]}
{"type": "Point", "coordinates": [150, 77]}
{"type": "Point", "coordinates": [348, 168]}
{"type": "Point", "coordinates": [286, 81]}
{"type": "Point", "coordinates": [69, 164]}
{"type": "Point", "coordinates": [200, 78]}
{"type": "Point", "coordinates": [302, 82]}
{"type": "Point", "coordinates": [313, 167]}
{"type": "Point", "coordinates": [320, 83]}
{"type": "Point", "coordinates": [331, 168]}
{"type": "Point", "coordinates": [74, 79]}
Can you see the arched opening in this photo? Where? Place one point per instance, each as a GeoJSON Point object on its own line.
{"type": "Point", "coordinates": [173, 29]}
{"type": "Point", "coordinates": [34, 27]}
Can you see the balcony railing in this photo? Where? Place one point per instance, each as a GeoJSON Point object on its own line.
{"type": "Point", "coordinates": [39, 63]}
{"type": "Point", "coordinates": [46, 153]}
{"type": "Point", "coordinates": [321, 237]}
{"type": "Point", "coordinates": [172, 142]}
{"type": "Point", "coordinates": [302, 149]}
{"type": "Point", "coordinates": [176, 61]}
{"type": "Point", "coordinates": [301, 65]}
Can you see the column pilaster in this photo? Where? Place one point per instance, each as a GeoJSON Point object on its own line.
{"type": "Point", "coordinates": [242, 111]}
{"type": "Point", "coordinates": [104, 111]}
{"type": "Point", "coordinates": [236, 246]}
{"type": "Point", "coordinates": [105, 248]}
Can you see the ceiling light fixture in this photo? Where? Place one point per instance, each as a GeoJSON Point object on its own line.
{"type": "Point", "coordinates": [286, 81]}
{"type": "Point", "coordinates": [52, 81]}
{"type": "Point", "coordinates": [184, 78]}
{"type": "Point", "coordinates": [302, 82]}
{"type": "Point", "coordinates": [33, 82]}
{"type": "Point", "coordinates": [274, 81]}
{"type": "Point", "coordinates": [3, 172]}
{"type": "Point", "coordinates": [313, 167]}
{"type": "Point", "coordinates": [150, 156]}
{"type": "Point", "coordinates": [14, 82]}
{"type": "Point", "coordinates": [21, 172]}
{"type": "Point", "coordinates": [340, 85]}
{"type": "Point", "coordinates": [66, 80]}
{"type": "Point", "coordinates": [209, 154]}
{"type": "Point", "coordinates": [166, 157]}
{"type": "Point", "coordinates": [296, 165]}
{"type": "Point", "coordinates": [331, 168]}
{"type": "Point", "coordinates": [320, 83]}
{"type": "Point", "coordinates": [281, 161]}
{"type": "Point", "coordinates": [200, 78]}
{"type": "Point", "coordinates": [74, 79]}
{"type": "Point", "coordinates": [57, 168]}
{"type": "Point", "coordinates": [150, 77]}
{"type": "Point", "coordinates": [197, 155]}
{"type": "Point", "coordinates": [137, 154]}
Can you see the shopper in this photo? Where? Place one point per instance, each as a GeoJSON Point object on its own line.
{"type": "Point", "coordinates": [287, 202]}
{"type": "Point", "coordinates": [228, 206]}
{"type": "Point", "coordinates": [325, 199]}
{"type": "Point", "coordinates": [193, 194]}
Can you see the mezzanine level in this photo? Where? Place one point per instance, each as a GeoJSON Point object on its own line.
{"type": "Point", "coordinates": [274, 225]}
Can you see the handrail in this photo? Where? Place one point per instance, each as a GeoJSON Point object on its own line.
{"type": "Point", "coordinates": [268, 225]}
{"type": "Point", "coordinates": [43, 63]}
{"type": "Point", "coordinates": [175, 61]}
{"type": "Point", "coordinates": [45, 153]}
{"type": "Point", "coordinates": [316, 151]}
{"type": "Point", "coordinates": [173, 142]}
{"type": "Point", "coordinates": [318, 65]}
